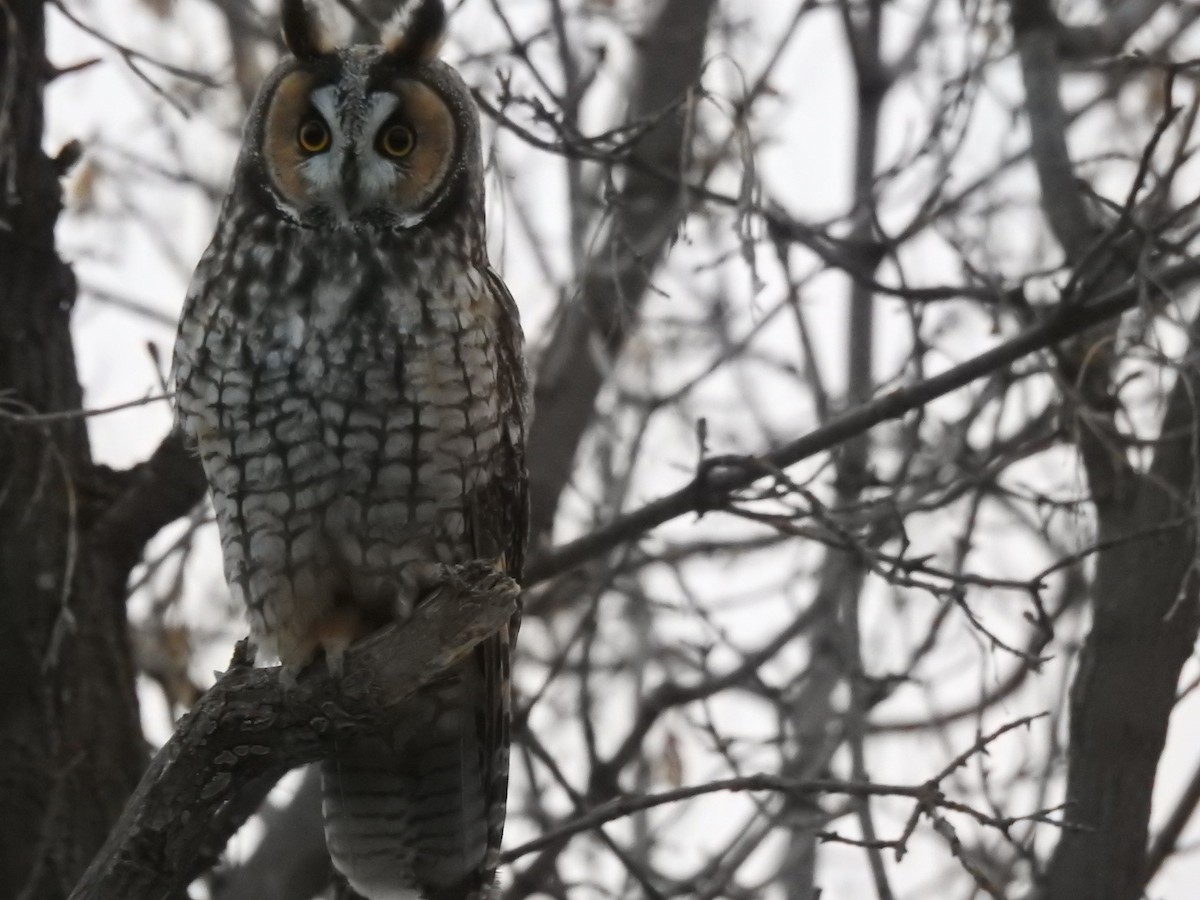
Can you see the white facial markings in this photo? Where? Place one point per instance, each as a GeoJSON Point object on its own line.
{"type": "Point", "coordinates": [377, 176]}
{"type": "Point", "coordinates": [354, 118]}
{"type": "Point", "coordinates": [380, 106]}
{"type": "Point", "coordinates": [322, 171]}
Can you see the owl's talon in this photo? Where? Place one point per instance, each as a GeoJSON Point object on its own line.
{"type": "Point", "coordinates": [289, 676]}
{"type": "Point", "coordinates": [335, 661]}
{"type": "Point", "coordinates": [404, 606]}
{"type": "Point", "coordinates": [425, 580]}
{"type": "Point", "coordinates": [335, 641]}
{"type": "Point", "coordinates": [244, 653]}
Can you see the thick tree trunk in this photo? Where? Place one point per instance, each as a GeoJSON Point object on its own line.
{"type": "Point", "coordinates": [1143, 597]}
{"type": "Point", "coordinates": [70, 743]}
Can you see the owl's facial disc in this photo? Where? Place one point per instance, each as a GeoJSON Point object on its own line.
{"type": "Point", "coordinates": [352, 154]}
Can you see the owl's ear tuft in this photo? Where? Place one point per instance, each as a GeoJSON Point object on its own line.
{"type": "Point", "coordinates": [414, 32]}
{"type": "Point", "coordinates": [303, 31]}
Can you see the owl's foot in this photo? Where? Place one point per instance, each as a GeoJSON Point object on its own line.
{"type": "Point", "coordinates": [289, 676]}
{"type": "Point", "coordinates": [336, 633]}
{"type": "Point", "coordinates": [404, 605]}
{"type": "Point", "coordinates": [422, 581]}
{"type": "Point", "coordinates": [335, 660]}
{"type": "Point", "coordinates": [245, 652]}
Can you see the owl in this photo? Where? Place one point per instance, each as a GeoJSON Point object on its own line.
{"type": "Point", "coordinates": [350, 370]}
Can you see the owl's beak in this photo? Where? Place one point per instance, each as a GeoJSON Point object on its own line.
{"type": "Point", "coordinates": [351, 187]}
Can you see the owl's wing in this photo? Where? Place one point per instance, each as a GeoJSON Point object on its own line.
{"type": "Point", "coordinates": [192, 391]}
{"type": "Point", "coordinates": [498, 522]}
{"type": "Point", "coordinates": [499, 512]}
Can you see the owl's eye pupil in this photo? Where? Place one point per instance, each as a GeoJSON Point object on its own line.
{"type": "Point", "coordinates": [397, 141]}
{"type": "Point", "coordinates": [313, 136]}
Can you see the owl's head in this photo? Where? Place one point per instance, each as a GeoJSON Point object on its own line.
{"type": "Point", "coordinates": [379, 135]}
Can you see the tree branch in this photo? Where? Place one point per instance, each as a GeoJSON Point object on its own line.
{"type": "Point", "coordinates": [1036, 33]}
{"type": "Point", "coordinates": [1109, 36]}
{"type": "Point", "coordinates": [158, 491]}
{"type": "Point", "coordinates": [717, 481]}
{"type": "Point", "coordinates": [251, 725]}
{"type": "Point", "coordinates": [1166, 841]}
{"type": "Point", "coordinates": [291, 860]}
{"type": "Point", "coordinates": [592, 330]}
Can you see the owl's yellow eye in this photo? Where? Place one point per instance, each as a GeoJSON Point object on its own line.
{"type": "Point", "coordinates": [397, 141]}
{"type": "Point", "coordinates": [313, 136]}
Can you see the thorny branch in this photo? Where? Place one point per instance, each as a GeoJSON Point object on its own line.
{"type": "Point", "coordinates": [929, 797]}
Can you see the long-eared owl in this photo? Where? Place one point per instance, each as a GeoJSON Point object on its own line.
{"type": "Point", "coordinates": [350, 369]}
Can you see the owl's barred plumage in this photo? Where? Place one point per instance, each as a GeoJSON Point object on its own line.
{"type": "Point", "coordinates": [351, 371]}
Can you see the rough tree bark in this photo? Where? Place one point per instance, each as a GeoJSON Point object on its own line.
{"type": "Point", "coordinates": [71, 745]}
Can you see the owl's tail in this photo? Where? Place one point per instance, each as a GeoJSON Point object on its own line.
{"type": "Point", "coordinates": [417, 814]}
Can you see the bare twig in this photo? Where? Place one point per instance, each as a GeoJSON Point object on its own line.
{"type": "Point", "coordinates": [718, 480]}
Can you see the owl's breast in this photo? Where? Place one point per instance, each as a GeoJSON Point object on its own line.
{"type": "Point", "coordinates": [343, 444]}
{"type": "Point", "coordinates": [380, 422]}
